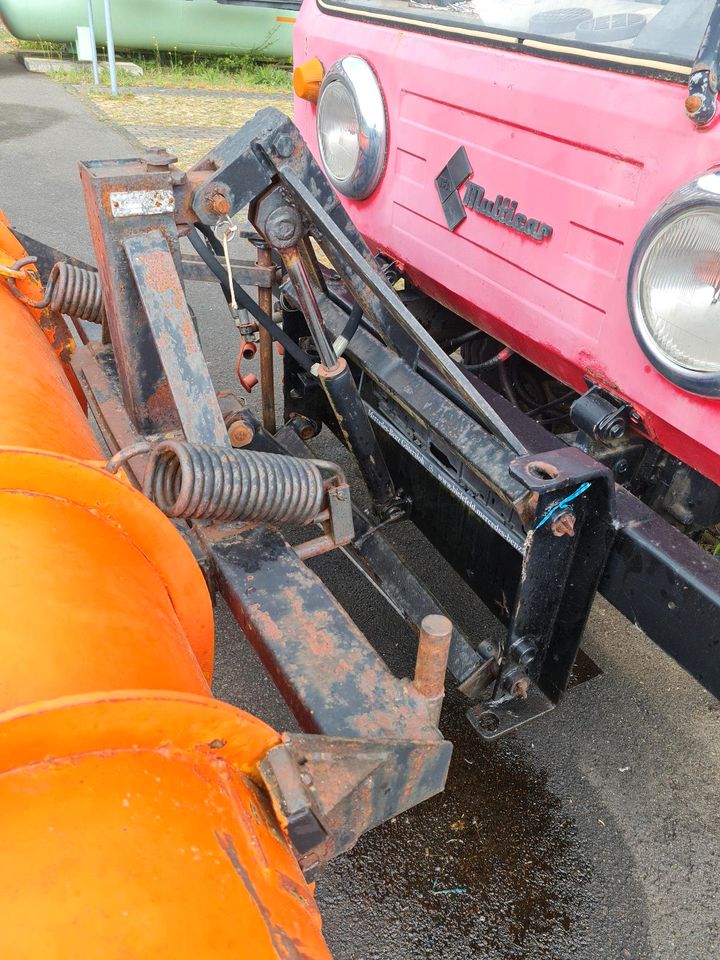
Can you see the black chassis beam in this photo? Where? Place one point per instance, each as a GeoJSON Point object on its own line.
{"type": "Point", "coordinates": [655, 576]}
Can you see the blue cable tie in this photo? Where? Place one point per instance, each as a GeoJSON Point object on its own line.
{"type": "Point", "coordinates": [563, 503]}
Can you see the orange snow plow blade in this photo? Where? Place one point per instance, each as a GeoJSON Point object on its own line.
{"type": "Point", "coordinates": [135, 823]}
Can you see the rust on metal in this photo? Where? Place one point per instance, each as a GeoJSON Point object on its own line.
{"type": "Point", "coordinates": [563, 525]}
{"type": "Point", "coordinates": [267, 370]}
{"type": "Point", "coordinates": [176, 340]}
{"type": "Point", "coordinates": [432, 661]}
{"type": "Point", "coordinates": [240, 433]}
{"type": "Point", "coordinates": [218, 203]}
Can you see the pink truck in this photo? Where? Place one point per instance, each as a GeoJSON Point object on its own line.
{"type": "Point", "coordinates": [540, 185]}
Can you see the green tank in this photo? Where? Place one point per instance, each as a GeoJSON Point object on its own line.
{"type": "Point", "coordinates": [186, 26]}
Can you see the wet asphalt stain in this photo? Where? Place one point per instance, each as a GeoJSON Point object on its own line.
{"type": "Point", "coordinates": [493, 868]}
{"type": "Point", "coordinates": [492, 865]}
{"type": "Point", "coordinates": [498, 867]}
{"type": "Point", "coordinates": [17, 121]}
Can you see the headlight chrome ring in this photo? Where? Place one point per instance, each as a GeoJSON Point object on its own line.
{"type": "Point", "coordinates": [352, 128]}
{"type": "Point", "coordinates": [674, 287]}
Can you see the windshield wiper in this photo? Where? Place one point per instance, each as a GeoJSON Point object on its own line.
{"type": "Point", "coordinates": [702, 96]}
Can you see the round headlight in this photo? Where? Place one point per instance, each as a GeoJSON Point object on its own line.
{"type": "Point", "coordinates": [352, 127]}
{"type": "Point", "coordinates": [674, 288]}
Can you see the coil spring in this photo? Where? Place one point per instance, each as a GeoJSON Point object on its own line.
{"type": "Point", "coordinates": [198, 482]}
{"type": "Point", "coordinates": [76, 292]}
{"type": "Point", "coordinates": [72, 290]}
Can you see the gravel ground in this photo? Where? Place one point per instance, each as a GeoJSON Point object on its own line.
{"type": "Point", "coordinates": [591, 834]}
{"type": "Point", "coordinates": [187, 122]}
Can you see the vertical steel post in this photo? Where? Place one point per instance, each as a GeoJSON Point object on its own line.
{"type": "Point", "coordinates": [432, 660]}
{"type": "Point", "coordinates": [267, 371]}
{"type": "Point", "coordinates": [91, 26]}
{"type": "Point", "coordinates": [110, 48]}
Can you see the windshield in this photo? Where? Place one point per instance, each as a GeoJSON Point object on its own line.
{"type": "Point", "coordinates": [670, 31]}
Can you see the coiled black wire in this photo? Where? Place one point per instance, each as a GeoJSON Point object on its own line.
{"type": "Point", "coordinates": [198, 482]}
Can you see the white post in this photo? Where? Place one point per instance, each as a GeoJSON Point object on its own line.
{"type": "Point", "coordinates": [91, 25]}
{"type": "Point", "coordinates": [110, 48]}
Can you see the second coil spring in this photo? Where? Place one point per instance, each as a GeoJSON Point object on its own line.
{"type": "Point", "coordinates": [192, 481]}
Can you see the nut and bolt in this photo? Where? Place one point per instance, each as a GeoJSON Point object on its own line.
{"type": "Point", "coordinates": [284, 146]}
{"type": "Point", "coordinates": [240, 433]}
{"type": "Point", "coordinates": [520, 688]}
{"type": "Point", "coordinates": [621, 467]}
{"type": "Point", "coordinates": [306, 429]}
{"type": "Point", "coordinates": [523, 650]}
{"type": "Point", "coordinates": [283, 226]}
{"type": "Point", "coordinates": [516, 681]}
{"type": "Point", "coordinates": [693, 104]}
{"type": "Point", "coordinates": [563, 525]}
{"type": "Point", "coordinates": [218, 203]}
{"type": "Point", "coordinates": [158, 158]}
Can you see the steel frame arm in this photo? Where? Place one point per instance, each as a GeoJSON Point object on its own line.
{"type": "Point", "coordinates": [270, 149]}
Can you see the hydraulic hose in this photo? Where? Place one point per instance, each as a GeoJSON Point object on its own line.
{"type": "Point", "coordinates": [247, 303]}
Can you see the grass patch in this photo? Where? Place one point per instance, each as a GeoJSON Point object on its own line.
{"type": "Point", "coordinates": [193, 71]}
{"type": "Point", "coordinates": [44, 47]}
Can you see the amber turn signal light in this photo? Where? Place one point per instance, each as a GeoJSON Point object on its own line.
{"type": "Point", "coordinates": [307, 78]}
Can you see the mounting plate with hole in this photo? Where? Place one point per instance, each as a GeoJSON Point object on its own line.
{"type": "Point", "coordinates": [494, 719]}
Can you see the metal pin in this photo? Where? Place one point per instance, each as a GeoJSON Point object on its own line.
{"type": "Point", "coordinates": [431, 662]}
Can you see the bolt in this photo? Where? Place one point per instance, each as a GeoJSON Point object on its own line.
{"type": "Point", "coordinates": [283, 226]}
{"type": "Point", "coordinates": [218, 203]}
{"type": "Point", "coordinates": [616, 430]}
{"type": "Point", "coordinates": [489, 722]}
{"type": "Point", "coordinates": [563, 524]}
{"type": "Point", "coordinates": [523, 650]}
{"type": "Point", "coordinates": [284, 146]}
{"type": "Point", "coordinates": [520, 688]}
{"type": "Point", "coordinates": [304, 427]}
{"type": "Point", "coordinates": [621, 466]}
{"type": "Point", "coordinates": [306, 779]}
{"type": "Point", "coordinates": [240, 433]}
{"type": "Point", "coordinates": [693, 104]}
{"type": "Point", "coordinates": [158, 158]}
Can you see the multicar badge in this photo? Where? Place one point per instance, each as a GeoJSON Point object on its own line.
{"type": "Point", "coordinates": [502, 209]}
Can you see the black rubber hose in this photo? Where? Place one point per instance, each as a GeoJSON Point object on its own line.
{"type": "Point", "coordinates": [456, 342]}
{"type": "Point", "coordinates": [337, 301]}
{"type": "Point", "coordinates": [499, 358]}
{"type": "Point", "coordinates": [210, 238]}
{"type": "Point", "coordinates": [353, 323]}
{"type": "Point", "coordinates": [507, 385]}
{"type": "Point", "coordinates": [247, 302]}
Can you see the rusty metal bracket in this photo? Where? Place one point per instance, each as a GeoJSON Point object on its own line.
{"type": "Point", "coordinates": [143, 383]}
{"type": "Point", "coordinates": [176, 340]}
{"type": "Point", "coordinates": [376, 750]}
{"type": "Point", "coordinates": [331, 790]}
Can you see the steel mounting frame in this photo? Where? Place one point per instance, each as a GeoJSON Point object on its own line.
{"type": "Point", "coordinates": [370, 747]}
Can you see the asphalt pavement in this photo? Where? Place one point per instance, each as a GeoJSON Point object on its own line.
{"type": "Point", "coordinates": [591, 833]}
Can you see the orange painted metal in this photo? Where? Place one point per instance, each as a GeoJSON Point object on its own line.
{"type": "Point", "coordinates": [135, 822]}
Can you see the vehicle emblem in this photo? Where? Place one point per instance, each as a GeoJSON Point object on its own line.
{"type": "Point", "coordinates": [455, 174]}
